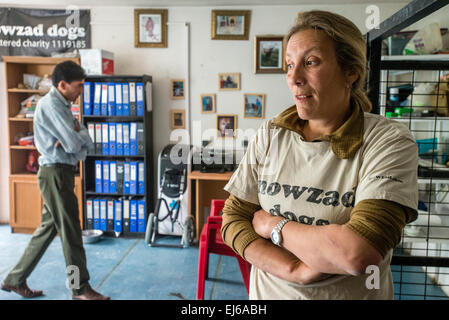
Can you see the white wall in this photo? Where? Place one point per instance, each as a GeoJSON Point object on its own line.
{"type": "Point", "coordinates": [113, 30]}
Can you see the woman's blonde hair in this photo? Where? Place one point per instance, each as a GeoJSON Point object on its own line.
{"type": "Point", "coordinates": [350, 47]}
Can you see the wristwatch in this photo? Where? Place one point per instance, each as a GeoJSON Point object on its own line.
{"type": "Point", "coordinates": [276, 236]}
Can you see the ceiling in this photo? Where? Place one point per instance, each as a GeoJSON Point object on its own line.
{"type": "Point", "coordinates": [182, 3]}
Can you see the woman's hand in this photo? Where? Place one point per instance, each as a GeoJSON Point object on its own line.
{"type": "Point", "coordinates": [264, 223]}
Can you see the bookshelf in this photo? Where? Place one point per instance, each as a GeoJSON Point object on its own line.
{"type": "Point", "coordinates": [25, 200]}
{"type": "Point", "coordinates": [119, 196]}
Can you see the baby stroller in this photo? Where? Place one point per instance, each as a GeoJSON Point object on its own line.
{"type": "Point", "coordinates": [170, 215]}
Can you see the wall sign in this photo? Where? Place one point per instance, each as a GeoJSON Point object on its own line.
{"type": "Point", "coordinates": [40, 32]}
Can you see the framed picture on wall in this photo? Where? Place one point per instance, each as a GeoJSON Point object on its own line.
{"type": "Point", "coordinates": [229, 81]}
{"type": "Point", "coordinates": [208, 103]}
{"type": "Point", "coordinates": [226, 125]}
{"type": "Point", "coordinates": [177, 119]}
{"type": "Point", "coordinates": [150, 28]}
{"type": "Point", "coordinates": [177, 89]}
{"type": "Point", "coordinates": [254, 105]}
{"type": "Point", "coordinates": [230, 24]}
{"type": "Point", "coordinates": [269, 54]}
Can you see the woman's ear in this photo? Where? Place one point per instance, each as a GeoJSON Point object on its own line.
{"type": "Point", "coordinates": [351, 77]}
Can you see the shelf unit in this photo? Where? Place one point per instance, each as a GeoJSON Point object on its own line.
{"type": "Point", "coordinates": [425, 242]}
{"type": "Point", "coordinates": [146, 157]}
{"type": "Point", "coordinates": [25, 200]}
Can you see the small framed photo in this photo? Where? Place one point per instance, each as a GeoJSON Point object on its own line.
{"type": "Point", "coordinates": [229, 81]}
{"type": "Point", "coordinates": [269, 54]}
{"type": "Point", "coordinates": [177, 119]}
{"type": "Point", "coordinates": [226, 125]}
{"type": "Point", "coordinates": [177, 89]}
{"type": "Point", "coordinates": [254, 105]}
{"type": "Point", "coordinates": [150, 28]}
{"type": "Point", "coordinates": [230, 24]}
{"type": "Point", "coordinates": [208, 103]}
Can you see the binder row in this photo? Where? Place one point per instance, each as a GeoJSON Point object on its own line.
{"type": "Point", "coordinates": [113, 99]}
{"type": "Point", "coordinates": [120, 177]}
{"type": "Point", "coordinates": [117, 138]}
{"type": "Point", "coordinates": [116, 215]}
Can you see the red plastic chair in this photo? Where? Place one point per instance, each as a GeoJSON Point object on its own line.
{"type": "Point", "coordinates": [212, 242]}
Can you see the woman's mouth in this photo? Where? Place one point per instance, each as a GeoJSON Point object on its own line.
{"type": "Point", "coordinates": [303, 97]}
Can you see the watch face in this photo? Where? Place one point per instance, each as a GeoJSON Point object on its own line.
{"type": "Point", "coordinates": [275, 237]}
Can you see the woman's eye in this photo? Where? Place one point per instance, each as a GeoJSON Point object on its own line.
{"type": "Point", "coordinates": [289, 66]}
{"type": "Point", "coordinates": [311, 62]}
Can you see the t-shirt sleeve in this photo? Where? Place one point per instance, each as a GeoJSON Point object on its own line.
{"type": "Point", "coordinates": [389, 168]}
{"type": "Point", "coordinates": [244, 182]}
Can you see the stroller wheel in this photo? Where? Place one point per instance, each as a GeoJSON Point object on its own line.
{"type": "Point", "coordinates": [188, 233]}
{"type": "Point", "coordinates": [150, 228]}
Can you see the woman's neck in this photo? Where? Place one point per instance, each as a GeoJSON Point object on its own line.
{"type": "Point", "coordinates": [314, 129]}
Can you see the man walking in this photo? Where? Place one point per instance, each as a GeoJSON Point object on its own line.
{"type": "Point", "coordinates": [62, 141]}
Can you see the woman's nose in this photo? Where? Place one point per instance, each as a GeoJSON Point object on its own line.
{"type": "Point", "coordinates": [297, 76]}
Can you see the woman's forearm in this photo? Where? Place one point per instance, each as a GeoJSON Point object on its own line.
{"type": "Point", "coordinates": [329, 249]}
{"type": "Point", "coordinates": [280, 263]}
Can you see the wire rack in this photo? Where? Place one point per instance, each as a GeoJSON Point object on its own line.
{"type": "Point", "coordinates": [415, 93]}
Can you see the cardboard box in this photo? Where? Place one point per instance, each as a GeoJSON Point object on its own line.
{"type": "Point", "coordinates": [97, 61]}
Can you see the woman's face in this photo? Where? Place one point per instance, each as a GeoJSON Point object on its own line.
{"type": "Point", "coordinates": [318, 84]}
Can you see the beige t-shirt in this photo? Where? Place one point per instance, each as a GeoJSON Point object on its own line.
{"type": "Point", "coordinates": [306, 182]}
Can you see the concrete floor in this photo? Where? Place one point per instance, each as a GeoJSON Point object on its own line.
{"type": "Point", "coordinates": [128, 269]}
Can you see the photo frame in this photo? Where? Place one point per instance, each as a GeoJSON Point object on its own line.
{"type": "Point", "coordinates": [226, 125]}
{"type": "Point", "coordinates": [254, 105]}
{"type": "Point", "coordinates": [228, 81]}
{"type": "Point", "coordinates": [177, 119]}
{"type": "Point", "coordinates": [177, 89]}
{"type": "Point", "coordinates": [230, 24]}
{"type": "Point", "coordinates": [269, 54]}
{"type": "Point", "coordinates": [150, 28]}
{"type": "Point", "coordinates": [208, 103]}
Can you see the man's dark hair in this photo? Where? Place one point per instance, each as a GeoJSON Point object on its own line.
{"type": "Point", "coordinates": [68, 71]}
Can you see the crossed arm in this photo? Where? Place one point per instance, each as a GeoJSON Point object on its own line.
{"type": "Point", "coordinates": [312, 253]}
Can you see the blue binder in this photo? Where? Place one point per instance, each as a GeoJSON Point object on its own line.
{"type": "Point", "coordinates": [113, 177]}
{"type": "Point", "coordinates": [104, 99]}
{"type": "Point", "coordinates": [105, 138]}
{"type": "Point", "coordinates": [103, 214]}
{"type": "Point", "coordinates": [96, 203]}
{"type": "Point", "coordinates": [133, 178]}
{"type": "Point", "coordinates": [133, 139]}
{"type": "Point", "coordinates": [125, 97]}
{"type": "Point", "coordinates": [119, 138]}
{"type": "Point", "coordinates": [111, 98]}
{"type": "Point", "coordinates": [140, 177]}
{"type": "Point", "coordinates": [112, 139]}
{"type": "Point", "coordinates": [141, 216]}
{"type": "Point", "coordinates": [126, 145]}
{"type": "Point", "coordinates": [118, 216]}
{"type": "Point", "coordinates": [133, 216]}
{"type": "Point", "coordinates": [105, 176]}
{"type": "Point", "coordinates": [139, 99]}
{"type": "Point", "coordinates": [97, 99]}
{"type": "Point", "coordinates": [98, 176]}
{"type": "Point", "coordinates": [118, 100]}
{"type": "Point", "coordinates": [87, 98]}
{"type": "Point", "coordinates": [126, 177]}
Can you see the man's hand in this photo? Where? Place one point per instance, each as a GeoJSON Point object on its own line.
{"type": "Point", "coordinates": [264, 223]}
{"type": "Point", "coordinates": [77, 126]}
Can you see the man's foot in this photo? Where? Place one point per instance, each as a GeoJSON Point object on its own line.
{"type": "Point", "coordinates": [22, 290]}
{"type": "Point", "coordinates": [91, 294]}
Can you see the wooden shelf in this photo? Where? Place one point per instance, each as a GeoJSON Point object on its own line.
{"type": "Point", "coordinates": [210, 176]}
{"type": "Point", "coordinates": [20, 119]}
{"type": "Point", "coordinates": [23, 147]}
{"type": "Point", "coordinates": [25, 209]}
{"type": "Point", "coordinates": [17, 90]}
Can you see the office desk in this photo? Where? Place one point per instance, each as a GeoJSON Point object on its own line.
{"type": "Point", "coordinates": [203, 187]}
